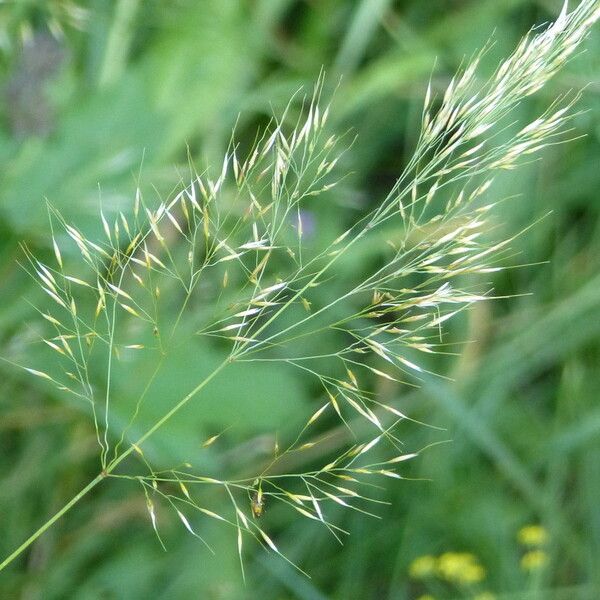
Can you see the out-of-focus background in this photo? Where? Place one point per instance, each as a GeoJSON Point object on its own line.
{"type": "Point", "coordinates": [98, 96]}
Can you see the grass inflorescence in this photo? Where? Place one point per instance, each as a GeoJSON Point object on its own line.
{"type": "Point", "coordinates": [228, 261]}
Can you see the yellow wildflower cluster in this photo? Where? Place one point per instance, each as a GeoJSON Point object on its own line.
{"type": "Point", "coordinates": [534, 560]}
{"type": "Point", "coordinates": [533, 536]}
{"type": "Point", "coordinates": [456, 567]}
{"type": "Point", "coordinates": [460, 567]}
{"type": "Point", "coordinates": [464, 568]}
{"type": "Point", "coordinates": [423, 567]}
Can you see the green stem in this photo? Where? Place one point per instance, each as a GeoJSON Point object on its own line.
{"type": "Point", "coordinates": [166, 417]}
{"type": "Point", "coordinates": [94, 482]}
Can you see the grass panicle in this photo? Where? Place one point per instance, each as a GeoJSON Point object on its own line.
{"type": "Point", "coordinates": [236, 240]}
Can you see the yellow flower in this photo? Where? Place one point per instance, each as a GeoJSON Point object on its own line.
{"type": "Point", "coordinates": [422, 567]}
{"type": "Point", "coordinates": [472, 573]}
{"type": "Point", "coordinates": [534, 560]}
{"type": "Point", "coordinates": [533, 535]}
{"type": "Point", "coordinates": [460, 567]}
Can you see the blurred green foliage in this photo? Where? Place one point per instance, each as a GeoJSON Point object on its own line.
{"type": "Point", "coordinates": [102, 96]}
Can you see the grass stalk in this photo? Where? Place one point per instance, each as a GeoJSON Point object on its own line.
{"type": "Point", "coordinates": [110, 468]}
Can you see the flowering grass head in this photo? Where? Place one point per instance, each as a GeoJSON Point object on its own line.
{"type": "Point", "coordinates": [229, 261]}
